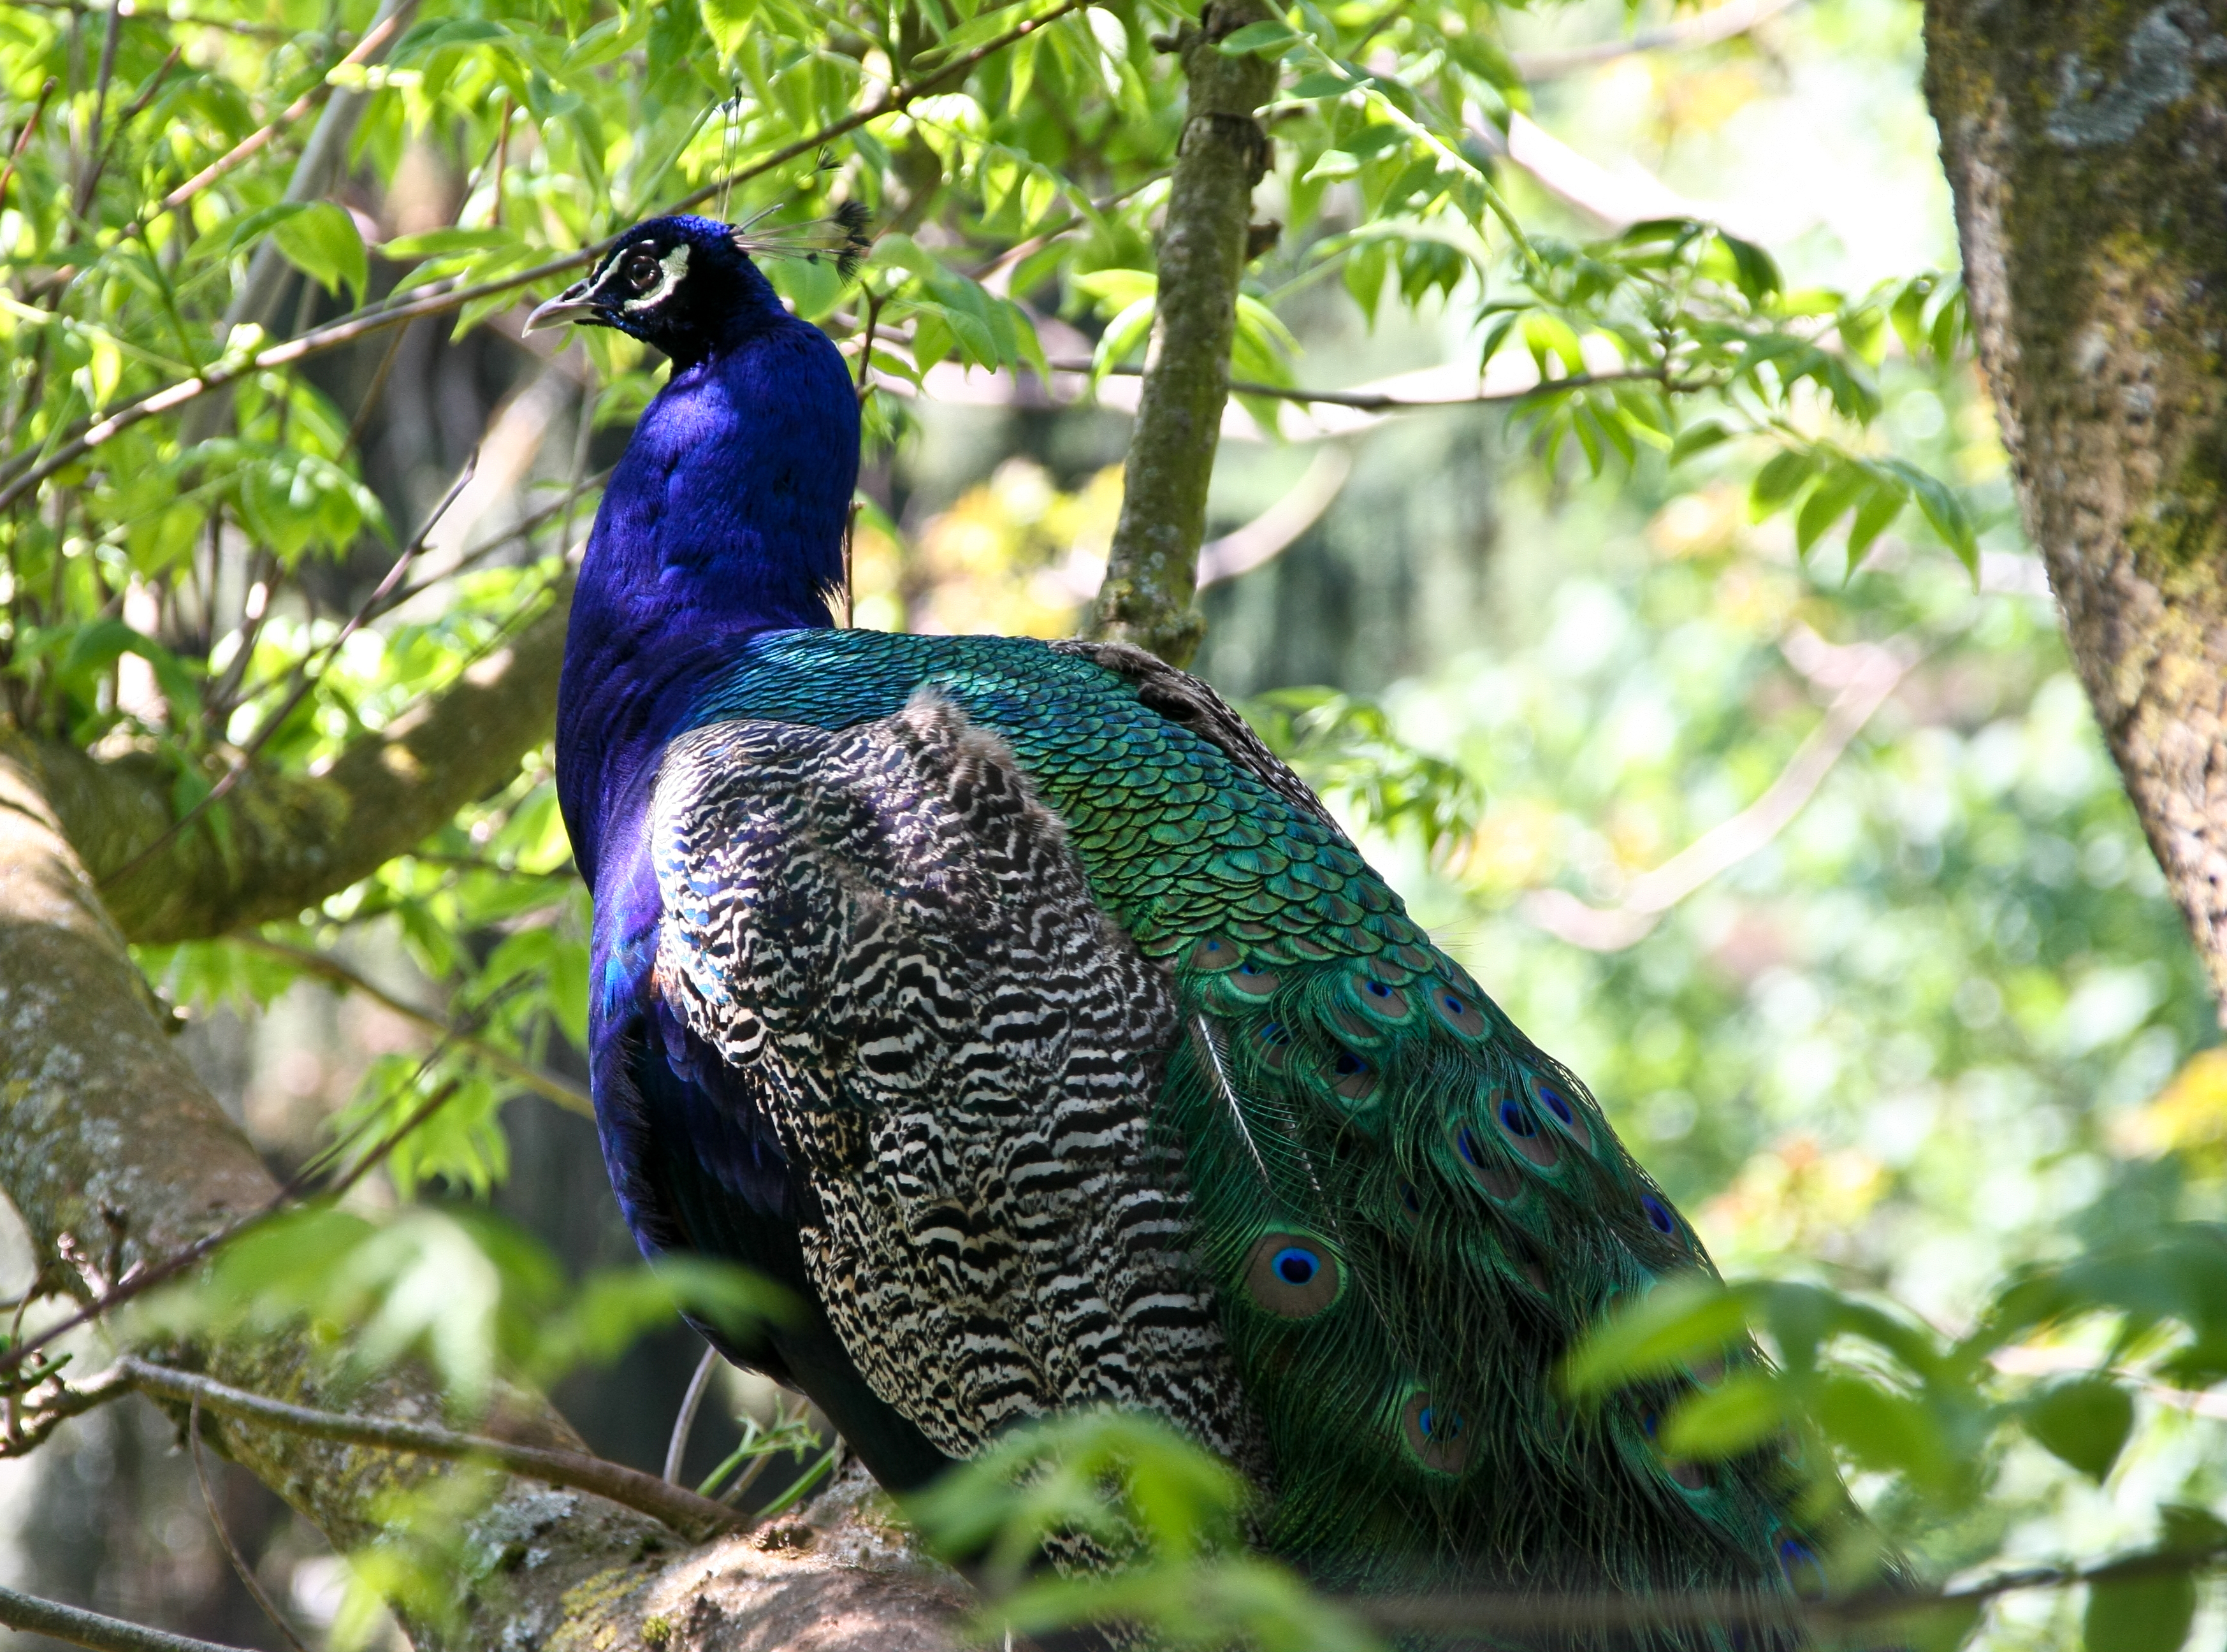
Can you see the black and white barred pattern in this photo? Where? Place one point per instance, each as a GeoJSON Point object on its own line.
{"type": "Point", "coordinates": [888, 935]}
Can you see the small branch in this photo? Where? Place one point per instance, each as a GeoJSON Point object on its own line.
{"type": "Point", "coordinates": [253, 143]}
{"type": "Point", "coordinates": [1269, 534]}
{"type": "Point", "coordinates": [244, 1572]}
{"type": "Point", "coordinates": [1709, 28]}
{"type": "Point", "coordinates": [23, 138]}
{"type": "Point", "coordinates": [571, 1097]}
{"type": "Point", "coordinates": [1372, 401]}
{"type": "Point", "coordinates": [677, 1447]}
{"type": "Point", "coordinates": [36, 1617]}
{"type": "Point", "coordinates": [440, 301]}
{"type": "Point", "coordinates": [1730, 1608]}
{"type": "Point", "coordinates": [1865, 676]}
{"type": "Point", "coordinates": [646, 1494]}
{"type": "Point", "coordinates": [1151, 572]}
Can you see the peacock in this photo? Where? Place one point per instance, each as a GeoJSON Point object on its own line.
{"type": "Point", "coordinates": [1012, 1003]}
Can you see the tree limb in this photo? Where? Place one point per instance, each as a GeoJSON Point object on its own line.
{"type": "Point", "coordinates": [115, 1156]}
{"type": "Point", "coordinates": [289, 841]}
{"type": "Point", "coordinates": [1152, 568]}
{"type": "Point", "coordinates": [2085, 143]}
{"type": "Point", "coordinates": [36, 1617]}
{"type": "Point", "coordinates": [674, 1505]}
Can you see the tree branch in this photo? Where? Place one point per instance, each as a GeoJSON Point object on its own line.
{"type": "Point", "coordinates": [31, 470]}
{"type": "Point", "coordinates": [1864, 675]}
{"type": "Point", "coordinates": [542, 1082]}
{"type": "Point", "coordinates": [289, 841]}
{"type": "Point", "coordinates": [674, 1506]}
{"type": "Point", "coordinates": [36, 1617]}
{"type": "Point", "coordinates": [115, 1156]}
{"type": "Point", "coordinates": [1152, 568]}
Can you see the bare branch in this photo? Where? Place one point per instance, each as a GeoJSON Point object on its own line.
{"type": "Point", "coordinates": [79, 1628]}
{"type": "Point", "coordinates": [326, 968]}
{"type": "Point", "coordinates": [674, 1505]}
{"type": "Point", "coordinates": [1864, 676]}
{"type": "Point", "coordinates": [1710, 28]}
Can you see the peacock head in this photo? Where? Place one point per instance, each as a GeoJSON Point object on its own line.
{"type": "Point", "coordinates": [687, 286]}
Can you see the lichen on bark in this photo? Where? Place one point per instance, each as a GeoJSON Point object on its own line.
{"type": "Point", "coordinates": [1151, 574]}
{"type": "Point", "coordinates": [2086, 143]}
{"type": "Point", "coordinates": [115, 1157]}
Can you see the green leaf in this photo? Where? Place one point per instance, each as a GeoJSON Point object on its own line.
{"type": "Point", "coordinates": [1943, 511]}
{"type": "Point", "coordinates": [2084, 1423]}
{"type": "Point", "coordinates": [2144, 1615]}
{"type": "Point", "coordinates": [1736, 1416]}
{"type": "Point", "coordinates": [322, 241]}
{"type": "Point", "coordinates": [1841, 486]}
{"type": "Point", "coordinates": [1269, 34]}
{"type": "Point", "coordinates": [1782, 477]}
{"type": "Point", "coordinates": [728, 23]}
{"type": "Point", "coordinates": [1689, 1320]}
{"type": "Point", "coordinates": [1879, 507]}
{"type": "Point", "coordinates": [1753, 270]}
{"type": "Point", "coordinates": [1698, 437]}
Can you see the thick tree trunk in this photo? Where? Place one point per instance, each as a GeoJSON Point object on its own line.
{"type": "Point", "coordinates": [2086, 144]}
{"type": "Point", "coordinates": [116, 1158]}
{"type": "Point", "coordinates": [1152, 570]}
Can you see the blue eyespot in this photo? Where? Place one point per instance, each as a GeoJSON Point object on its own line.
{"type": "Point", "coordinates": [1273, 1033]}
{"type": "Point", "coordinates": [1296, 1266]}
{"type": "Point", "coordinates": [1454, 1005]}
{"type": "Point", "coordinates": [1378, 989]}
{"type": "Point", "coordinates": [1248, 968]}
{"type": "Point", "coordinates": [1555, 1104]}
{"type": "Point", "coordinates": [1409, 1197]}
{"type": "Point", "coordinates": [1465, 1145]}
{"type": "Point", "coordinates": [1350, 1065]}
{"type": "Point", "coordinates": [1658, 1215]}
{"type": "Point", "coordinates": [1515, 1121]}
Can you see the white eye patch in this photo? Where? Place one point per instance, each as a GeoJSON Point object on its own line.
{"type": "Point", "coordinates": [674, 265]}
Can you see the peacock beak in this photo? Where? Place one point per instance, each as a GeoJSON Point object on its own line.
{"type": "Point", "coordinates": [572, 304]}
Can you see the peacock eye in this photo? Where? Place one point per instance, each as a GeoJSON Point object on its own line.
{"type": "Point", "coordinates": [640, 270]}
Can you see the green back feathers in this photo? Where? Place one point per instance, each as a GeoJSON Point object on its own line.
{"type": "Point", "coordinates": [1408, 1212]}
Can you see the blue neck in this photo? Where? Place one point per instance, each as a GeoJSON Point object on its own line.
{"type": "Point", "coordinates": [725, 518]}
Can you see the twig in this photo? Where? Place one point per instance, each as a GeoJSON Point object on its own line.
{"type": "Point", "coordinates": [895, 101]}
{"type": "Point", "coordinates": [348, 329]}
{"type": "Point", "coordinates": [1371, 401]}
{"type": "Point", "coordinates": [124, 120]}
{"type": "Point", "coordinates": [246, 1573]}
{"type": "Point", "coordinates": [1731, 1608]}
{"type": "Point", "coordinates": [178, 1261]}
{"type": "Point", "coordinates": [568, 1096]}
{"type": "Point", "coordinates": [677, 1507]}
{"type": "Point", "coordinates": [112, 36]}
{"type": "Point", "coordinates": [271, 724]}
{"type": "Point", "coordinates": [1865, 680]}
{"type": "Point", "coordinates": [685, 1423]}
{"type": "Point", "coordinates": [255, 141]}
{"type": "Point", "coordinates": [23, 138]}
{"type": "Point", "coordinates": [36, 1617]}
{"type": "Point", "coordinates": [1709, 28]}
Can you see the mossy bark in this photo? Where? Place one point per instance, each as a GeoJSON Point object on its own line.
{"type": "Point", "coordinates": [115, 1157]}
{"type": "Point", "coordinates": [277, 842]}
{"type": "Point", "coordinates": [2086, 144]}
{"type": "Point", "coordinates": [1152, 573]}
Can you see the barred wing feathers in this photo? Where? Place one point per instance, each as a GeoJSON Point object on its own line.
{"type": "Point", "coordinates": [1403, 1212]}
{"type": "Point", "coordinates": [960, 1052]}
